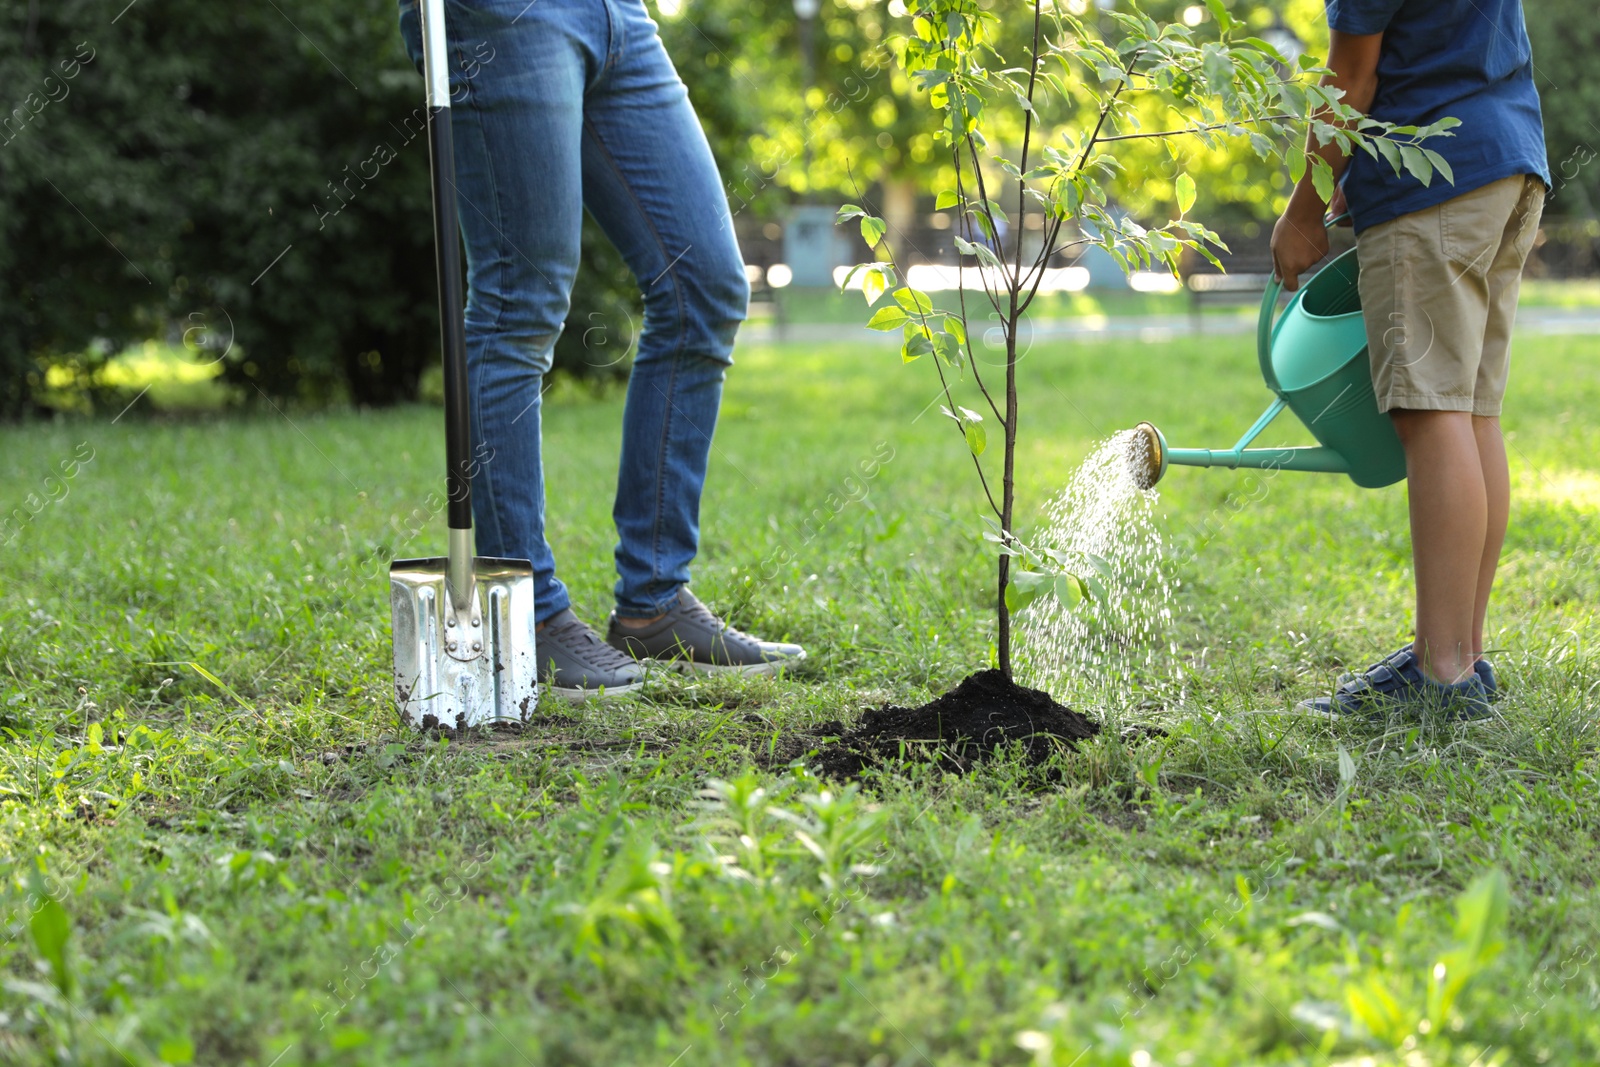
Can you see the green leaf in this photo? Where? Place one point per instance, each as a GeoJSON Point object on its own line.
{"type": "Point", "coordinates": [1440, 165]}
{"type": "Point", "coordinates": [1416, 164]}
{"type": "Point", "coordinates": [986, 225]}
{"type": "Point", "coordinates": [1100, 565]}
{"type": "Point", "coordinates": [1186, 194]}
{"type": "Point", "coordinates": [1025, 587]}
{"type": "Point", "coordinates": [1481, 915]}
{"type": "Point", "coordinates": [915, 347]}
{"type": "Point", "coordinates": [947, 348]}
{"type": "Point", "coordinates": [51, 927]}
{"type": "Point", "coordinates": [1297, 160]}
{"type": "Point", "coordinates": [848, 212]}
{"type": "Point", "coordinates": [984, 253]}
{"type": "Point", "coordinates": [1294, 98]}
{"type": "Point", "coordinates": [1068, 590]}
{"type": "Point", "coordinates": [872, 230]}
{"type": "Point", "coordinates": [1389, 150]}
{"type": "Point", "coordinates": [873, 284]}
{"type": "Point", "coordinates": [1376, 1009]}
{"type": "Point", "coordinates": [1017, 599]}
{"type": "Point", "coordinates": [1267, 49]}
{"type": "Point", "coordinates": [888, 318]}
{"type": "Point", "coordinates": [1322, 178]}
{"type": "Point", "coordinates": [956, 328]}
{"type": "Point", "coordinates": [1219, 70]}
{"type": "Point", "coordinates": [977, 439]}
{"type": "Point", "coordinates": [1225, 21]}
{"type": "Point", "coordinates": [946, 199]}
{"type": "Point", "coordinates": [917, 303]}
{"type": "Point", "coordinates": [1347, 767]}
{"type": "Point", "coordinates": [1072, 197]}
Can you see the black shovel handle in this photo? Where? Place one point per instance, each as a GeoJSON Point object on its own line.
{"type": "Point", "coordinates": [447, 245]}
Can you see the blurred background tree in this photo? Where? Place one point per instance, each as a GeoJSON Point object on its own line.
{"type": "Point", "coordinates": [216, 173]}
{"type": "Point", "coordinates": [1566, 37]}
{"type": "Point", "coordinates": [250, 178]}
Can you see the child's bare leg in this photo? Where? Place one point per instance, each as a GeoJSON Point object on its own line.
{"type": "Point", "coordinates": [1497, 490]}
{"type": "Point", "coordinates": [1449, 526]}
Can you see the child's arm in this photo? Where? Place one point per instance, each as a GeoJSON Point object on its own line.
{"type": "Point", "coordinates": [1299, 239]}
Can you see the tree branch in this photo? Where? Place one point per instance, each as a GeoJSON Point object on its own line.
{"type": "Point", "coordinates": [1192, 130]}
{"type": "Point", "coordinates": [1105, 110]}
{"type": "Point", "coordinates": [961, 295]}
{"type": "Point", "coordinates": [983, 197]}
{"type": "Point", "coordinates": [1022, 166]}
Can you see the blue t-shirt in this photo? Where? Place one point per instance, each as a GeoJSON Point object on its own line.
{"type": "Point", "coordinates": [1464, 59]}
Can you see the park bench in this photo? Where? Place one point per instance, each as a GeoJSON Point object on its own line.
{"type": "Point", "coordinates": [1241, 287]}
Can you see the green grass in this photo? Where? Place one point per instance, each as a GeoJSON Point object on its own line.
{"type": "Point", "coordinates": [826, 305]}
{"type": "Point", "coordinates": [269, 871]}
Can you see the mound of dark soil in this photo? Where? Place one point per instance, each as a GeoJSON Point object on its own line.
{"type": "Point", "coordinates": [985, 713]}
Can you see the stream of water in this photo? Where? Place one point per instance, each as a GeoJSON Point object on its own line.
{"type": "Point", "coordinates": [1095, 654]}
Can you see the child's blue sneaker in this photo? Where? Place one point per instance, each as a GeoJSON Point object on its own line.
{"type": "Point", "coordinates": [1483, 668]}
{"type": "Point", "coordinates": [1398, 684]}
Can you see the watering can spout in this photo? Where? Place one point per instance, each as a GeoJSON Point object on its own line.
{"type": "Point", "coordinates": [1151, 456]}
{"type": "Point", "coordinates": [1148, 455]}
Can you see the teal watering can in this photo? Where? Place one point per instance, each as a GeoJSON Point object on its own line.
{"type": "Point", "coordinates": [1314, 359]}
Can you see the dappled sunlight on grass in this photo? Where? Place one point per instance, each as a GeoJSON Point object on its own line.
{"type": "Point", "coordinates": [1578, 488]}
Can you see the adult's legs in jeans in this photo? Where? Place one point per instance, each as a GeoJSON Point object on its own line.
{"type": "Point", "coordinates": [650, 181]}
{"type": "Point", "coordinates": [518, 124]}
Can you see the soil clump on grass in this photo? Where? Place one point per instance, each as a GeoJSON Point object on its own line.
{"type": "Point", "coordinates": [986, 715]}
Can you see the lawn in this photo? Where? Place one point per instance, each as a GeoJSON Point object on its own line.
{"type": "Point", "coordinates": [221, 849]}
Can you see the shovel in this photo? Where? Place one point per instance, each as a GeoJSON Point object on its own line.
{"type": "Point", "coordinates": [463, 625]}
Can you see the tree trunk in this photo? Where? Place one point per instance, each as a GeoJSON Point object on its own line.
{"type": "Point", "coordinates": [1008, 487]}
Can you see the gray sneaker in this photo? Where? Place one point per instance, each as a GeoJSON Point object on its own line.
{"type": "Point", "coordinates": [576, 665]}
{"type": "Point", "coordinates": [692, 639]}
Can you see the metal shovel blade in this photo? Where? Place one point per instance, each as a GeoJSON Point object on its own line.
{"type": "Point", "coordinates": [461, 669]}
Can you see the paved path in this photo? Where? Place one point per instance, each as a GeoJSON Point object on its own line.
{"type": "Point", "coordinates": [1153, 328]}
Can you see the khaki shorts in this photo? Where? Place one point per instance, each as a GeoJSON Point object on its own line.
{"type": "Point", "coordinates": [1439, 294]}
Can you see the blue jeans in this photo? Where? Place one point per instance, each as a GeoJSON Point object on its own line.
{"type": "Point", "coordinates": [558, 106]}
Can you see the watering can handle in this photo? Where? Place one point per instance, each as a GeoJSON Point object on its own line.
{"type": "Point", "coordinates": [1266, 323]}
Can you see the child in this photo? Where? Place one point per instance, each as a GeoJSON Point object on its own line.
{"type": "Point", "coordinates": [1440, 269]}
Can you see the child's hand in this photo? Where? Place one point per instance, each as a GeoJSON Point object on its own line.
{"type": "Point", "coordinates": [1299, 240]}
